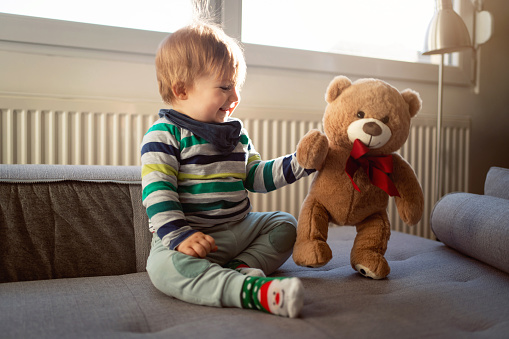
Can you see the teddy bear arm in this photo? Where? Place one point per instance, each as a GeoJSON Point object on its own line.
{"type": "Point", "coordinates": [312, 149]}
{"type": "Point", "coordinates": [410, 203]}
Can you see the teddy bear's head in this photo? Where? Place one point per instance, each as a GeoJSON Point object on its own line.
{"type": "Point", "coordinates": [370, 110]}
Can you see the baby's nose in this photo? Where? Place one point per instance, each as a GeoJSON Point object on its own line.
{"type": "Point", "coordinates": [235, 96]}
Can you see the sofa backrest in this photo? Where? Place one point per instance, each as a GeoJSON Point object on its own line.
{"type": "Point", "coordinates": [66, 221]}
{"type": "Point", "coordinates": [497, 183]}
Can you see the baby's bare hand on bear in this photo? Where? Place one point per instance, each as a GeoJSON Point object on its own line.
{"type": "Point", "coordinates": [197, 245]}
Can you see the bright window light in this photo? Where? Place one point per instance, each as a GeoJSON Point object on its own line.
{"type": "Point", "coordinates": [151, 15]}
{"type": "Point", "coordinates": [388, 29]}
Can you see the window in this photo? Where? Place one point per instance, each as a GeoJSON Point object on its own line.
{"type": "Point", "coordinates": [151, 15]}
{"type": "Point", "coordinates": [389, 29]}
{"type": "Point", "coordinates": [266, 27]}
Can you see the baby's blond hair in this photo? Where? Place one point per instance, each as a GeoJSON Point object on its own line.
{"type": "Point", "coordinates": [196, 50]}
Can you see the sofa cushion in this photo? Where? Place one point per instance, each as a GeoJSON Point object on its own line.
{"type": "Point", "coordinates": [65, 229]}
{"type": "Point", "coordinates": [57, 223]}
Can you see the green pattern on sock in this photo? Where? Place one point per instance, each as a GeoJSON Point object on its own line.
{"type": "Point", "coordinates": [250, 292]}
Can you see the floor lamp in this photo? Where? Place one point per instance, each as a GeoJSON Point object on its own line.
{"type": "Point", "coordinates": [448, 33]}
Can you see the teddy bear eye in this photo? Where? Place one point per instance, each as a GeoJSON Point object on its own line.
{"type": "Point", "coordinates": [385, 120]}
{"type": "Point", "coordinates": [361, 114]}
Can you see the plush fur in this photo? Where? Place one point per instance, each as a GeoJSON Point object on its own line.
{"type": "Point", "coordinates": [379, 115]}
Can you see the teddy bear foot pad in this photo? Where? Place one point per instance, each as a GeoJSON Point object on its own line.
{"type": "Point", "coordinates": [367, 272]}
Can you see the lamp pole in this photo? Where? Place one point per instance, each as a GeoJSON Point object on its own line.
{"type": "Point", "coordinates": [447, 33]}
{"type": "Point", "coordinates": [438, 153]}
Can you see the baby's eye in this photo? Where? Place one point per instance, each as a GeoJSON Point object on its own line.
{"type": "Point", "coordinates": [226, 88]}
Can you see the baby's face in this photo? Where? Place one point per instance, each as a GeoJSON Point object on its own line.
{"type": "Point", "coordinates": [210, 100]}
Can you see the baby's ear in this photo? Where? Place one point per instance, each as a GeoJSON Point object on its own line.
{"type": "Point", "coordinates": [413, 100]}
{"type": "Point", "coordinates": [179, 90]}
{"type": "Point", "coordinates": [336, 87]}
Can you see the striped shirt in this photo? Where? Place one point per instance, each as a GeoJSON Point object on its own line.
{"type": "Point", "coordinates": [187, 183]}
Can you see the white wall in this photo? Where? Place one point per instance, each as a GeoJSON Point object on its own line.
{"type": "Point", "coordinates": [82, 74]}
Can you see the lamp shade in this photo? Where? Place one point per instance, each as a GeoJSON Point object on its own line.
{"type": "Point", "coordinates": [447, 32]}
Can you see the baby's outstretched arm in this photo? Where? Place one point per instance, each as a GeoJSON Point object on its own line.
{"type": "Point", "coordinates": [197, 245]}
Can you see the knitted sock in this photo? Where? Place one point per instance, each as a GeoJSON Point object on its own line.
{"type": "Point", "coordinates": [242, 267]}
{"type": "Point", "coordinates": [280, 296]}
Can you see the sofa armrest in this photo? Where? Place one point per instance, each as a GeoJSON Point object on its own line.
{"type": "Point", "coordinates": [475, 225]}
{"type": "Point", "coordinates": [497, 183]}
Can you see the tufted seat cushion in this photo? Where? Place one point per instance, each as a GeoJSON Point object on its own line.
{"type": "Point", "coordinates": [432, 291]}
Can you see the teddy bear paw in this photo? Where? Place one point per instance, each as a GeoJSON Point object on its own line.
{"type": "Point", "coordinates": [312, 253]}
{"type": "Point", "coordinates": [312, 150]}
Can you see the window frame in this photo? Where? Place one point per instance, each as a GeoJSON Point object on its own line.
{"type": "Point", "coordinates": [56, 37]}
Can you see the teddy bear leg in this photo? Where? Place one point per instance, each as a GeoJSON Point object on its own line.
{"type": "Point", "coordinates": [311, 248]}
{"type": "Point", "coordinates": [367, 256]}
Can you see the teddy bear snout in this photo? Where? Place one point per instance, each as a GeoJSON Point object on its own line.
{"type": "Point", "coordinates": [372, 132]}
{"type": "Point", "coordinates": [372, 128]}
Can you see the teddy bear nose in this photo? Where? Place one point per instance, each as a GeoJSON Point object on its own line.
{"type": "Point", "coordinates": [372, 128]}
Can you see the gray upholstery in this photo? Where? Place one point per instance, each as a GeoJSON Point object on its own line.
{"type": "Point", "coordinates": [497, 183]}
{"type": "Point", "coordinates": [56, 226]}
{"type": "Point", "coordinates": [432, 291]}
{"type": "Point", "coordinates": [477, 225]}
{"type": "Point", "coordinates": [55, 173]}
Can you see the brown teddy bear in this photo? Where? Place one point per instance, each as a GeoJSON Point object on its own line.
{"type": "Point", "coordinates": [365, 123]}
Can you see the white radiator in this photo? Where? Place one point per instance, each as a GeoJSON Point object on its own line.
{"type": "Point", "coordinates": [43, 136]}
{"type": "Point", "coordinates": [272, 139]}
{"type": "Point", "coordinates": [67, 137]}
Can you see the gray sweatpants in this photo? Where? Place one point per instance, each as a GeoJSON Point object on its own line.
{"type": "Point", "coordinates": [261, 240]}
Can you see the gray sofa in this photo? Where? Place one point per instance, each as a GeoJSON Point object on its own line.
{"type": "Point", "coordinates": [74, 241]}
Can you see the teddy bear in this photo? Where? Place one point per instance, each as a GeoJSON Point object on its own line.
{"type": "Point", "coordinates": [358, 169]}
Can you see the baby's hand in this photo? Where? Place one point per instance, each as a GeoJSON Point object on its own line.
{"type": "Point", "coordinates": [197, 245]}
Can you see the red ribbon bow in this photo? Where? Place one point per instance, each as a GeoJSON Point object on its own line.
{"type": "Point", "coordinates": [376, 167]}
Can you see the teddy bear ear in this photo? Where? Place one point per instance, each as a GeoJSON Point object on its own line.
{"type": "Point", "coordinates": [413, 100]}
{"type": "Point", "coordinates": [336, 86]}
